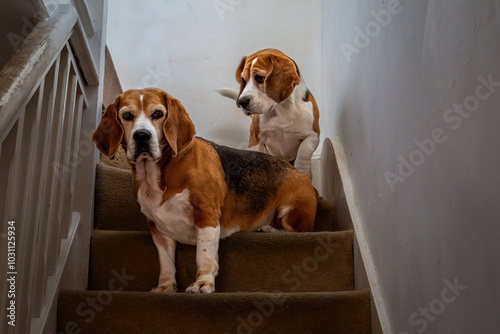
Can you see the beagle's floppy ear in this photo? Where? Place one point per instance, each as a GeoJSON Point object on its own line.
{"type": "Point", "coordinates": [109, 134]}
{"type": "Point", "coordinates": [239, 79]}
{"type": "Point", "coordinates": [178, 129]}
{"type": "Point", "coordinates": [282, 78]}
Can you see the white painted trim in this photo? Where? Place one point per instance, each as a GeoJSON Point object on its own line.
{"type": "Point", "coordinates": [85, 59]}
{"type": "Point", "coordinates": [38, 325]}
{"type": "Point", "coordinates": [84, 15]}
{"type": "Point", "coordinates": [360, 233]}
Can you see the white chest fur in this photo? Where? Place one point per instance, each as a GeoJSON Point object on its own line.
{"type": "Point", "coordinates": [174, 217]}
{"type": "Point", "coordinates": [283, 129]}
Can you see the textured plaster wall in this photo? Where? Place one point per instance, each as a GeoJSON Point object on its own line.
{"type": "Point", "coordinates": [414, 93]}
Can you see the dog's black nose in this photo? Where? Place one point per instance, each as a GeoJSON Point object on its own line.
{"type": "Point", "coordinates": [142, 137]}
{"type": "Point", "coordinates": [244, 101]}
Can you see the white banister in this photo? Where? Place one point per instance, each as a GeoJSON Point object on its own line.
{"type": "Point", "coordinates": [83, 13]}
{"type": "Point", "coordinates": [27, 215]}
{"type": "Point", "coordinates": [43, 100]}
{"type": "Point", "coordinates": [85, 59]}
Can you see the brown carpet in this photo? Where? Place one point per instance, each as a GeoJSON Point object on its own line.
{"type": "Point", "coordinates": [257, 262]}
{"type": "Point", "coordinates": [143, 312]}
{"type": "Point", "coordinates": [267, 283]}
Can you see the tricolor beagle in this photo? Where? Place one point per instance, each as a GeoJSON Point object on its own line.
{"type": "Point", "coordinates": [194, 191]}
{"type": "Point", "coordinates": [285, 116]}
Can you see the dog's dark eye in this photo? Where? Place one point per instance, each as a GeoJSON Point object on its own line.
{"type": "Point", "coordinates": [259, 78]}
{"type": "Point", "coordinates": [157, 114]}
{"type": "Point", "coordinates": [127, 116]}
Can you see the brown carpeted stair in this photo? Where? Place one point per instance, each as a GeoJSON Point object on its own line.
{"type": "Point", "coordinates": [254, 262]}
{"type": "Point", "coordinates": [267, 283]}
{"type": "Point", "coordinates": [143, 312]}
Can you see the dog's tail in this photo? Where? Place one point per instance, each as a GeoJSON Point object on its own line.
{"type": "Point", "coordinates": [228, 92]}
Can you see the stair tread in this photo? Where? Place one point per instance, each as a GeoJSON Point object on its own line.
{"type": "Point", "coordinates": [141, 312]}
{"type": "Point", "coordinates": [317, 261]}
{"type": "Point", "coordinates": [115, 205]}
{"type": "Point", "coordinates": [117, 209]}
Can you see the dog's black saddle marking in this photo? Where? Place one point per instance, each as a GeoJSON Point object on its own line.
{"type": "Point", "coordinates": [252, 176]}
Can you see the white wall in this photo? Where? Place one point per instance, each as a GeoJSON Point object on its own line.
{"type": "Point", "coordinates": [442, 222]}
{"type": "Point", "coordinates": [190, 48]}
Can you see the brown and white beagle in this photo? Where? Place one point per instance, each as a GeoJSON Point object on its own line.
{"type": "Point", "coordinates": [194, 191]}
{"type": "Point", "coordinates": [285, 116]}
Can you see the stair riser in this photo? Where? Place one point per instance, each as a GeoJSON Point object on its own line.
{"type": "Point", "coordinates": [345, 312]}
{"type": "Point", "coordinates": [248, 262]}
{"type": "Point", "coordinates": [115, 205]}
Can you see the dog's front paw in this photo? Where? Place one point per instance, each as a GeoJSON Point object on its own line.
{"type": "Point", "coordinates": [166, 288]}
{"type": "Point", "coordinates": [204, 286]}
